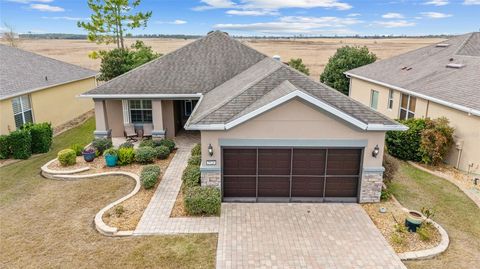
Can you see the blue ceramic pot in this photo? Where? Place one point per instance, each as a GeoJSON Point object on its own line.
{"type": "Point", "coordinates": [88, 157]}
{"type": "Point", "coordinates": [111, 160]}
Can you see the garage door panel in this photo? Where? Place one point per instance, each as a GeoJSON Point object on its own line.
{"type": "Point", "coordinates": [309, 161]}
{"type": "Point", "coordinates": [240, 161]}
{"type": "Point", "coordinates": [273, 186]}
{"type": "Point", "coordinates": [239, 187]}
{"type": "Point", "coordinates": [307, 186]}
{"type": "Point", "coordinates": [343, 161]}
{"type": "Point", "coordinates": [274, 161]}
{"type": "Point", "coordinates": [341, 187]}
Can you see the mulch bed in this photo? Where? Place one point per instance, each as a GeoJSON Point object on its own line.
{"type": "Point", "coordinates": [385, 222]}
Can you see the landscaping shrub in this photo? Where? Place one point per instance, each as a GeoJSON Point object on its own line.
{"type": "Point", "coordinates": [191, 176]}
{"type": "Point", "coordinates": [195, 160]}
{"type": "Point", "coordinates": [67, 157]}
{"type": "Point", "coordinates": [101, 144]}
{"type": "Point", "coordinates": [424, 232]}
{"type": "Point", "coordinates": [111, 152]}
{"type": "Point", "coordinates": [42, 136]}
{"type": "Point", "coordinates": [405, 145]}
{"type": "Point", "coordinates": [149, 176]}
{"type": "Point", "coordinates": [386, 194]}
{"type": "Point", "coordinates": [127, 144]}
{"type": "Point", "coordinates": [77, 148]}
{"type": "Point", "coordinates": [147, 143]}
{"type": "Point", "coordinates": [145, 155]}
{"type": "Point", "coordinates": [391, 166]}
{"type": "Point", "coordinates": [202, 201]}
{"type": "Point", "coordinates": [436, 140]}
{"type": "Point", "coordinates": [162, 152]}
{"type": "Point", "coordinates": [20, 142]}
{"type": "Point", "coordinates": [4, 147]}
{"type": "Point", "coordinates": [126, 156]}
{"type": "Point", "coordinates": [196, 150]}
{"type": "Point", "coordinates": [168, 143]}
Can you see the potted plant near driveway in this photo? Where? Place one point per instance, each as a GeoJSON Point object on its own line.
{"type": "Point", "coordinates": [111, 157]}
{"type": "Point", "coordinates": [414, 220]}
{"type": "Point", "coordinates": [89, 154]}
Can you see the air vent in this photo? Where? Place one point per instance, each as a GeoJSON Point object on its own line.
{"type": "Point", "coordinates": [456, 66]}
{"type": "Point", "coordinates": [442, 45]}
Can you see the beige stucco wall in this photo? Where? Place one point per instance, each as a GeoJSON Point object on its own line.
{"type": "Point", "coordinates": [467, 127]}
{"type": "Point", "coordinates": [57, 104]}
{"type": "Point", "coordinates": [115, 117]}
{"type": "Point", "coordinates": [168, 118]}
{"type": "Point", "coordinates": [294, 120]}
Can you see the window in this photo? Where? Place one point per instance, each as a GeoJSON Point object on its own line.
{"type": "Point", "coordinates": [374, 100]}
{"type": "Point", "coordinates": [390, 100]}
{"type": "Point", "coordinates": [407, 106]}
{"type": "Point", "coordinates": [189, 105]}
{"type": "Point", "coordinates": [22, 110]}
{"type": "Point", "coordinates": [140, 111]}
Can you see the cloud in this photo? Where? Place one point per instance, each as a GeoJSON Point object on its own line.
{"type": "Point", "coordinates": [471, 2]}
{"type": "Point", "coordinates": [392, 15]}
{"type": "Point", "coordinates": [395, 24]}
{"type": "Point", "coordinates": [252, 12]}
{"type": "Point", "coordinates": [272, 4]}
{"type": "Point", "coordinates": [67, 18]}
{"type": "Point", "coordinates": [47, 8]}
{"type": "Point", "coordinates": [437, 2]}
{"type": "Point", "coordinates": [30, 1]}
{"type": "Point", "coordinates": [354, 15]}
{"type": "Point", "coordinates": [296, 25]}
{"type": "Point", "coordinates": [176, 22]}
{"type": "Point", "coordinates": [435, 15]}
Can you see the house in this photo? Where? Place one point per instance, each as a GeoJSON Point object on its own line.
{"type": "Point", "coordinates": [441, 80]}
{"type": "Point", "coordinates": [268, 132]}
{"type": "Point", "coordinates": [34, 88]}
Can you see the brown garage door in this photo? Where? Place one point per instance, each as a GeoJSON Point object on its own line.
{"type": "Point", "coordinates": [291, 174]}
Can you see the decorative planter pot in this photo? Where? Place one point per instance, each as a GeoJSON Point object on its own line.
{"type": "Point", "coordinates": [414, 220]}
{"type": "Point", "coordinates": [88, 156]}
{"type": "Point", "coordinates": [111, 160]}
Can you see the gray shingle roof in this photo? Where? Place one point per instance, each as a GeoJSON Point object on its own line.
{"type": "Point", "coordinates": [425, 72]}
{"type": "Point", "coordinates": [22, 71]}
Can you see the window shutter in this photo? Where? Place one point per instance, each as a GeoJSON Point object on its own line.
{"type": "Point", "coordinates": [126, 112]}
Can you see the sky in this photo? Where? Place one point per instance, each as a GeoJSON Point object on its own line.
{"type": "Point", "coordinates": [261, 17]}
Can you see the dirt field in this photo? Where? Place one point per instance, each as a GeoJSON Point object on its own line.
{"type": "Point", "coordinates": [314, 52]}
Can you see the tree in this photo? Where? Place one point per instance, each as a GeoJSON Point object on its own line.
{"type": "Point", "coordinates": [346, 58]}
{"type": "Point", "coordinates": [298, 64]}
{"type": "Point", "coordinates": [110, 20]}
{"type": "Point", "coordinates": [10, 35]}
{"type": "Point", "coordinates": [118, 61]}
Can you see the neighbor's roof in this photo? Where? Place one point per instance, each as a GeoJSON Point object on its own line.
{"type": "Point", "coordinates": [23, 72]}
{"type": "Point", "coordinates": [428, 73]}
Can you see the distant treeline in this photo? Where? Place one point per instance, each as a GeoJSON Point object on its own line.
{"type": "Point", "coordinates": [79, 36]}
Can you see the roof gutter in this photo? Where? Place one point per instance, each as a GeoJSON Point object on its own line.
{"type": "Point", "coordinates": [426, 97]}
{"type": "Point", "coordinates": [140, 96]}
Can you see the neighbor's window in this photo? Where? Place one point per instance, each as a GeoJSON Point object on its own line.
{"type": "Point", "coordinates": [140, 111]}
{"type": "Point", "coordinates": [390, 99]}
{"type": "Point", "coordinates": [22, 110]}
{"type": "Point", "coordinates": [189, 106]}
{"type": "Point", "coordinates": [374, 99]}
{"type": "Point", "coordinates": [407, 107]}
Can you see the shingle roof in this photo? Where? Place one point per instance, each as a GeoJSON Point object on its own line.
{"type": "Point", "coordinates": [425, 72]}
{"type": "Point", "coordinates": [22, 71]}
{"type": "Point", "coordinates": [195, 68]}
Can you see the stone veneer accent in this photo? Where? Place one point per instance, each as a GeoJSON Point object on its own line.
{"type": "Point", "coordinates": [371, 186]}
{"type": "Point", "coordinates": [211, 178]}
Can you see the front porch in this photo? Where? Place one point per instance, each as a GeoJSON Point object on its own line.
{"type": "Point", "coordinates": [165, 117]}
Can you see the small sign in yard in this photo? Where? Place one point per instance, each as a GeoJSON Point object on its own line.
{"type": "Point", "coordinates": [211, 162]}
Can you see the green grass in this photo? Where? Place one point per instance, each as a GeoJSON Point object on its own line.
{"type": "Point", "coordinates": [455, 212]}
{"type": "Point", "coordinates": [48, 223]}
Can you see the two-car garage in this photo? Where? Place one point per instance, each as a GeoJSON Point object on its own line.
{"type": "Point", "coordinates": [291, 174]}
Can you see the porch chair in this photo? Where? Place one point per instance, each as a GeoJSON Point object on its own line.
{"type": "Point", "coordinates": [147, 130]}
{"type": "Point", "coordinates": [130, 134]}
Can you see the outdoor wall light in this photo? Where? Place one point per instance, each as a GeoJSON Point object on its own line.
{"type": "Point", "coordinates": [210, 150]}
{"type": "Point", "coordinates": [375, 151]}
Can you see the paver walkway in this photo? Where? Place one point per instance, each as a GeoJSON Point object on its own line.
{"type": "Point", "coordinates": [156, 218]}
{"type": "Point", "coordinates": [301, 236]}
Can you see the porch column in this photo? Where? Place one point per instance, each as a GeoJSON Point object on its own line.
{"type": "Point", "coordinates": [157, 119]}
{"type": "Point", "coordinates": [101, 120]}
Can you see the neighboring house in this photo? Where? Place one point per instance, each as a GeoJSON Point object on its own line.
{"type": "Point", "coordinates": [34, 88]}
{"type": "Point", "coordinates": [431, 82]}
{"type": "Point", "coordinates": [268, 132]}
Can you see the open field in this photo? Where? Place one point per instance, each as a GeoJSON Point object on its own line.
{"type": "Point", "coordinates": [314, 52]}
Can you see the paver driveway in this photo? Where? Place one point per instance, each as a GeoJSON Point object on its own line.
{"type": "Point", "coordinates": [301, 236]}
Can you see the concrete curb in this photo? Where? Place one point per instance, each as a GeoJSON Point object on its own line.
{"type": "Point", "coordinates": [101, 226]}
{"type": "Point", "coordinates": [426, 253]}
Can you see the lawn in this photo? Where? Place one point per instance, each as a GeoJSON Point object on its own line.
{"type": "Point", "coordinates": [455, 212]}
{"type": "Point", "coordinates": [49, 223]}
